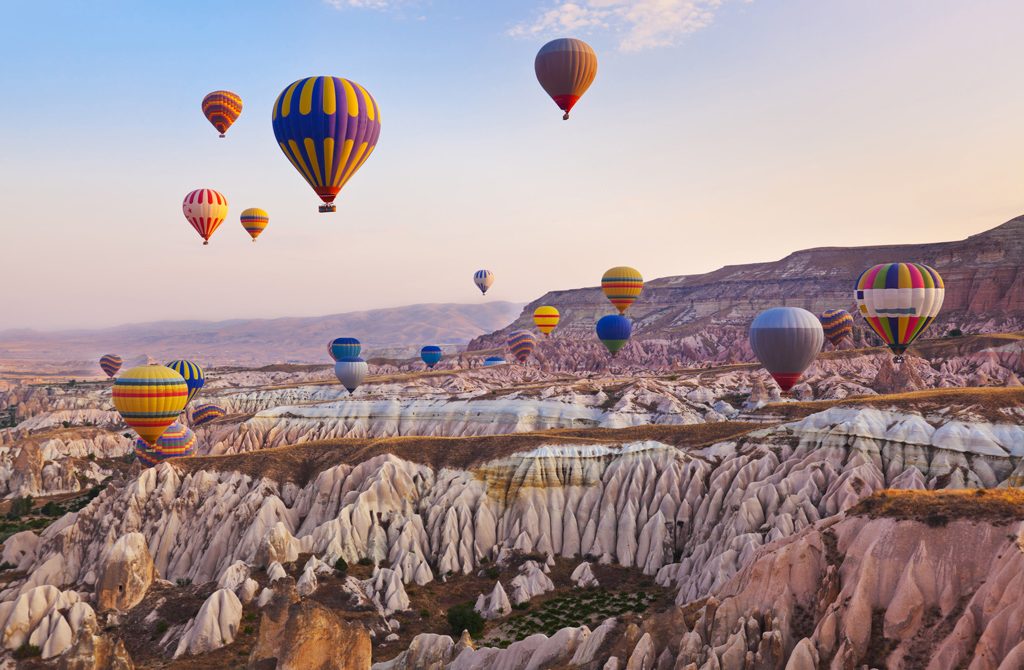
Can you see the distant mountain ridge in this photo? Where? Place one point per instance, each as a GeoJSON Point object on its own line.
{"type": "Point", "coordinates": [691, 319]}
{"type": "Point", "coordinates": [397, 331]}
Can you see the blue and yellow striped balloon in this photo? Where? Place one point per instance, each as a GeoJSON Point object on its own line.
{"type": "Point", "coordinates": [176, 442]}
{"type": "Point", "coordinates": [203, 414]}
{"type": "Point", "coordinates": [327, 127]}
{"type": "Point", "coordinates": [192, 374]}
{"type": "Point", "coordinates": [837, 324]}
{"type": "Point", "coordinates": [344, 347]}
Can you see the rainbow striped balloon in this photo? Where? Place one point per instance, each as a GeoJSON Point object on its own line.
{"type": "Point", "coordinates": [176, 442]}
{"type": "Point", "coordinates": [203, 414]}
{"type": "Point", "coordinates": [546, 318]}
{"type": "Point", "coordinates": [522, 344]}
{"type": "Point", "coordinates": [327, 127]}
{"type": "Point", "coordinates": [622, 286]}
{"type": "Point", "coordinates": [205, 209]}
{"type": "Point", "coordinates": [837, 323]}
{"type": "Point", "coordinates": [110, 364]}
{"type": "Point", "coordinates": [255, 221]}
{"type": "Point", "coordinates": [192, 374]}
{"type": "Point", "coordinates": [899, 301]}
{"type": "Point", "coordinates": [221, 109]}
{"type": "Point", "coordinates": [150, 398]}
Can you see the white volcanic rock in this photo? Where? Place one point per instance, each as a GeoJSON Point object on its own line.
{"type": "Point", "coordinates": [126, 574]}
{"type": "Point", "coordinates": [532, 653]}
{"type": "Point", "coordinates": [214, 626]}
{"type": "Point", "coordinates": [233, 576]}
{"type": "Point", "coordinates": [45, 617]}
{"type": "Point", "coordinates": [583, 576]}
{"type": "Point", "coordinates": [493, 605]}
{"type": "Point", "coordinates": [426, 651]}
{"type": "Point", "coordinates": [388, 591]}
{"type": "Point", "coordinates": [275, 571]}
{"type": "Point", "coordinates": [20, 549]}
{"type": "Point", "coordinates": [529, 583]}
{"type": "Point", "coordinates": [307, 582]}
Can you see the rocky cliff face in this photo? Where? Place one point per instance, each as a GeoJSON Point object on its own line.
{"type": "Point", "coordinates": [694, 319]}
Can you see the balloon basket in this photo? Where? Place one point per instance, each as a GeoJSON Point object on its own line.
{"type": "Point", "coordinates": [329, 207]}
{"type": "Point", "coordinates": [897, 359]}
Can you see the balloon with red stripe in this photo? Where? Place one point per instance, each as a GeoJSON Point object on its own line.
{"type": "Point", "coordinates": [205, 209]}
{"type": "Point", "coordinates": [521, 343]}
{"type": "Point", "coordinates": [622, 286]}
{"type": "Point", "coordinates": [176, 442]}
{"type": "Point", "coordinates": [149, 399]}
{"type": "Point", "coordinates": [565, 68]}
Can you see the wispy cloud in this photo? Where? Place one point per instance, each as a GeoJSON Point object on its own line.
{"type": "Point", "coordinates": [641, 24]}
{"type": "Point", "coordinates": [364, 4]}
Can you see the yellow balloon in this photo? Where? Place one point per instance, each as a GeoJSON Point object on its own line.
{"type": "Point", "coordinates": [150, 398]}
{"type": "Point", "coordinates": [545, 318]}
{"type": "Point", "coordinates": [622, 286]}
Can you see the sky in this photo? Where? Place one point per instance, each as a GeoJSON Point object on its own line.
{"type": "Point", "coordinates": [716, 132]}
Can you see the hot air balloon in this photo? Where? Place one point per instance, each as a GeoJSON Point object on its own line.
{"type": "Point", "coordinates": [351, 372]}
{"type": "Point", "coordinates": [255, 220]}
{"type": "Point", "coordinates": [622, 286]}
{"type": "Point", "coordinates": [838, 324]}
{"type": "Point", "coordinates": [614, 330]}
{"type": "Point", "coordinates": [203, 414]}
{"type": "Point", "coordinates": [565, 68]}
{"type": "Point", "coordinates": [149, 398]}
{"type": "Point", "coordinates": [521, 343]}
{"type": "Point", "coordinates": [222, 108]}
{"type": "Point", "coordinates": [110, 364]}
{"type": "Point", "coordinates": [192, 374]}
{"type": "Point", "coordinates": [344, 347]}
{"type": "Point", "coordinates": [545, 318]}
{"type": "Point", "coordinates": [327, 127]}
{"type": "Point", "coordinates": [483, 280]}
{"type": "Point", "coordinates": [786, 340]}
{"type": "Point", "coordinates": [205, 209]}
{"type": "Point", "coordinates": [430, 354]}
{"type": "Point", "coordinates": [899, 301]}
{"type": "Point", "coordinates": [176, 442]}
{"type": "Point", "coordinates": [491, 361]}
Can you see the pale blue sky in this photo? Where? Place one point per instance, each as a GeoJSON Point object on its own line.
{"type": "Point", "coordinates": [715, 133]}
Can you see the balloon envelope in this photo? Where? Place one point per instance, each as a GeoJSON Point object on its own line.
{"type": "Point", "coordinates": [614, 331]}
{"type": "Point", "coordinates": [622, 286]}
{"type": "Point", "coordinates": [205, 209]}
{"type": "Point", "coordinates": [351, 372]}
{"type": "Point", "coordinates": [899, 301]}
{"type": "Point", "coordinates": [221, 109]}
{"type": "Point", "coordinates": [255, 221]}
{"type": "Point", "coordinates": [565, 68]}
{"type": "Point", "coordinates": [176, 442]}
{"type": "Point", "coordinates": [344, 347]}
{"type": "Point", "coordinates": [149, 398]}
{"type": "Point", "coordinates": [192, 374]}
{"type": "Point", "coordinates": [522, 344]}
{"type": "Point", "coordinates": [483, 280]}
{"type": "Point", "coordinates": [203, 414]}
{"type": "Point", "coordinates": [545, 318]}
{"type": "Point", "coordinates": [786, 340]}
{"type": "Point", "coordinates": [430, 354]}
{"type": "Point", "coordinates": [837, 324]}
{"type": "Point", "coordinates": [327, 127]}
{"type": "Point", "coordinates": [110, 364]}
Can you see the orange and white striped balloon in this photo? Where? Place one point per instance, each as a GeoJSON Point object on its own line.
{"type": "Point", "coordinates": [205, 209]}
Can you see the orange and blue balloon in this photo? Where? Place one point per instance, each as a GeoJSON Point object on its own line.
{"type": "Point", "coordinates": [838, 325]}
{"type": "Point", "coordinates": [110, 364]}
{"type": "Point", "coordinates": [149, 399]}
{"type": "Point", "coordinates": [327, 127]}
{"type": "Point", "coordinates": [565, 68]}
{"type": "Point", "coordinates": [221, 109]}
{"type": "Point", "coordinates": [431, 355]}
{"type": "Point", "coordinates": [255, 221]}
{"type": "Point", "coordinates": [204, 414]}
{"type": "Point", "coordinates": [899, 301]}
{"type": "Point", "coordinates": [176, 442]}
{"type": "Point", "coordinates": [614, 331]}
{"type": "Point", "coordinates": [521, 343]}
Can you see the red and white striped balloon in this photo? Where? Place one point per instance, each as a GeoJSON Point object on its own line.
{"type": "Point", "coordinates": [205, 209]}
